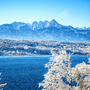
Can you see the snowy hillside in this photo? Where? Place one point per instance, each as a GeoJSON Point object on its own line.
{"type": "Point", "coordinates": [44, 30]}
{"type": "Point", "coordinates": [28, 47]}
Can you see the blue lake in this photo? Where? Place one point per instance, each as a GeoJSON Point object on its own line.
{"type": "Point", "coordinates": [25, 72]}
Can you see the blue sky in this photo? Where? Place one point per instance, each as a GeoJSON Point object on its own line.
{"type": "Point", "coordinates": [66, 12]}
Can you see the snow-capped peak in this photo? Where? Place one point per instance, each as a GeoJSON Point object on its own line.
{"type": "Point", "coordinates": [37, 25]}
{"type": "Point", "coordinates": [17, 25]}
{"type": "Point", "coordinates": [44, 24]}
{"type": "Point", "coordinates": [83, 28]}
{"type": "Point", "coordinates": [53, 21]}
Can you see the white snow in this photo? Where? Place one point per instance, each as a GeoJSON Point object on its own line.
{"type": "Point", "coordinates": [44, 24]}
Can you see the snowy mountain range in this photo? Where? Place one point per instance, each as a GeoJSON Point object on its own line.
{"type": "Point", "coordinates": [44, 30]}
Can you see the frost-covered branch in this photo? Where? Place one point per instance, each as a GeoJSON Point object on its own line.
{"type": "Point", "coordinates": [2, 85]}
{"type": "Point", "coordinates": [61, 75]}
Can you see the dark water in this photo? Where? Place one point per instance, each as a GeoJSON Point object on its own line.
{"type": "Point", "coordinates": [25, 72]}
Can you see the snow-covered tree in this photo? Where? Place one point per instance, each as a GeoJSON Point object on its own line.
{"type": "Point", "coordinates": [61, 75]}
{"type": "Point", "coordinates": [82, 74]}
{"type": "Point", "coordinates": [2, 85]}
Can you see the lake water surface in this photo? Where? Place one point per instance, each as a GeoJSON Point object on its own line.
{"type": "Point", "coordinates": [25, 72]}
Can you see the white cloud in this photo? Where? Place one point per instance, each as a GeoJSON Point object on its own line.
{"type": "Point", "coordinates": [63, 13]}
{"type": "Point", "coordinates": [68, 22]}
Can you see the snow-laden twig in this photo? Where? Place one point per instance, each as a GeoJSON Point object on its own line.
{"type": "Point", "coordinates": [2, 85]}
{"type": "Point", "coordinates": [60, 72]}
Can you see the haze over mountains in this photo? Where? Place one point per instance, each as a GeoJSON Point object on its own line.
{"type": "Point", "coordinates": [44, 30]}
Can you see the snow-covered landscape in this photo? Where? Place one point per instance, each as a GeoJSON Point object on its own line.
{"type": "Point", "coordinates": [43, 37]}
{"type": "Point", "coordinates": [44, 30]}
{"type": "Point", "coordinates": [42, 47]}
{"type": "Point", "coordinates": [44, 44]}
{"type": "Point", "coordinates": [22, 41]}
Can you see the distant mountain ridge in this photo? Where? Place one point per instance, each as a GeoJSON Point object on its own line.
{"type": "Point", "coordinates": [38, 25]}
{"type": "Point", "coordinates": [44, 30]}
